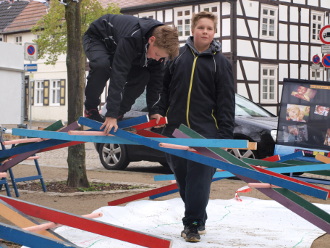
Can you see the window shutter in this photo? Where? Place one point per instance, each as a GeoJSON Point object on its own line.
{"type": "Point", "coordinates": [62, 92]}
{"type": "Point", "coordinates": [46, 93]}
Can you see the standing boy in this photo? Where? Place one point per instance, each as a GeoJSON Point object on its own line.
{"type": "Point", "coordinates": [198, 91]}
{"type": "Point", "coordinates": [131, 52]}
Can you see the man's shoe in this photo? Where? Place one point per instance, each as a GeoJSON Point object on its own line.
{"type": "Point", "coordinates": [190, 233]}
{"type": "Point", "coordinates": [94, 114]}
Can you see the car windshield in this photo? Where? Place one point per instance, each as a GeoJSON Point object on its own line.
{"type": "Point", "coordinates": [245, 107]}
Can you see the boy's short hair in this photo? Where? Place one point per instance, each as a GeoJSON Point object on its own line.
{"type": "Point", "coordinates": [167, 38]}
{"type": "Point", "coordinates": [204, 14]}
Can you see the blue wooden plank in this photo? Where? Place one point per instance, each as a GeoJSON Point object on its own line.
{"type": "Point", "coordinates": [233, 168]}
{"type": "Point", "coordinates": [22, 237]}
{"type": "Point", "coordinates": [291, 156]}
{"type": "Point", "coordinates": [117, 140]}
{"type": "Point", "coordinates": [289, 169]}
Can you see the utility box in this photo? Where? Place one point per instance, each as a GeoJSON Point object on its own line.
{"type": "Point", "coordinates": [11, 83]}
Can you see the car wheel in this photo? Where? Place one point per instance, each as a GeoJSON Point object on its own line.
{"type": "Point", "coordinates": [238, 153]}
{"type": "Point", "coordinates": [113, 156]}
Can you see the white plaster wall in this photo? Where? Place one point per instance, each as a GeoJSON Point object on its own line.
{"type": "Point", "coordinates": [294, 14]}
{"type": "Point", "coordinates": [283, 34]}
{"type": "Point", "coordinates": [244, 48]}
{"type": "Point", "coordinates": [226, 47]}
{"type": "Point", "coordinates": [251, 70]}
{"type": "Point", "coordinates": [241, 28]}
{"type": "Point", "coordinates": [225, 8]}
{"type": "Point", "coordinates": [225, 27]}
{"type": "Point", "coordinates": [254, 28]}
{"type": "Point", "coordinates": [304, 15]}
{"type": "Point", "coordinates": [160, 16]}
{"type": "Point", "coordinates": [282, 71]}
{"type": "Point", "coordinates": [304, 53]}
{"type": "Point", "coordinates": [283, 13]}
{"type": "Point", "coordinates": [325, 4]}
{"type": "Point", "coordinates": [251, 8]}
{"type": "Point", "coordinates": [293, 33]}
{"type": "Point", "coordinates": [241, 89]}
{"type": "Point", "coordinates": [293, 71]}
{"type": "Point", "coordinates": [294, 52]}
{"type": "Point", "coordinates": [283, 53]}
{"type": "Point", "coordinates": [304, 71]}
{"type": "Point", "coordinates": [168, 15]}
{"type": "Point", "coordinates": [304, 34]}
{"type": "Point", "coordinates": [311, 2]}
{"type": "Point", "coordinates": [268, 50]}
{"type": "Point", "coordinates": [255, 92]}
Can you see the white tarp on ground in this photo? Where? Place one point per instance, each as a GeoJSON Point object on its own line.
{"type": "Point", "coordinates": [252, 223]}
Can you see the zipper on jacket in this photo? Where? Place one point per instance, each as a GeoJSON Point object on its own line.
{"type": "Point", "coordinates": [190, 87]}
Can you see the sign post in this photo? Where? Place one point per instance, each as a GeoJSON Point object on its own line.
{"type": "Point", "coordinates": [31, 54]}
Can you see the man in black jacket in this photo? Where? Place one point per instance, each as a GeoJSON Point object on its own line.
{"type": "Point", "coordinates": [129, 51]}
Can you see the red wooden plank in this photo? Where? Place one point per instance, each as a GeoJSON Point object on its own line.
{"type": "Point", "coordinates": [151, 123]}
{"type": "Point", "coordinates": [85, 224]}
{"type": "Point", "coordinates": [143, 194]}
{"type": "Point", "coordinates": [268, 172]}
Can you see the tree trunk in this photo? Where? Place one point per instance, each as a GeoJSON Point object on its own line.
{"type": "Point", "coordinates": [76, 84]}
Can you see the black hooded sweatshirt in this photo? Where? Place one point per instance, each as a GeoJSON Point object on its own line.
{"type": "Point", "coordinates": [198, 91]}
{"type": "Point", "coordinates": [126, 38]}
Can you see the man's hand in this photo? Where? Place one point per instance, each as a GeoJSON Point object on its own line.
{"type": "Point", "coordinates": [109, 123]}
{"type": "Point", "coordinates": [157, 117]}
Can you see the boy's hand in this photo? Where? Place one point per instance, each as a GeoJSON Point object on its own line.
{"type": "Point", "coordinates": [109, 123]}
{"type": "Point", "coordinates": [157, 117]}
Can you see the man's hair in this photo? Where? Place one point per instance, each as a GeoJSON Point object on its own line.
{"type": "Point", "coordinates": [167, 38]}
{"type": "Point", "coordinates": [204, 14]}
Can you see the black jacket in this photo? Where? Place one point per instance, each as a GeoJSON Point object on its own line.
{"type": "Point", "coordinates": [126, 39]}
{"type": "Point", "coordinates": [198, 91]}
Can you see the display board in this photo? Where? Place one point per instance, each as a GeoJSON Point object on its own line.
{"type": "Point", "coordinates": [304, 118]}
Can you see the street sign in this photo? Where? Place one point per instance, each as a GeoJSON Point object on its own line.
{"type": "Point", "coordinates": [325, 34]}
{"type": "Point", "coordinates": [325, 48]}
{"type": "Point", "coordinates": [30, 67]}
{"type": "Point", "coordinates": [315, 66]}
{"type": "Point", "coordinates": [30, 51]}
{"type": "Point", "coordinates": [316, 59]}
{"type": "Point", "coordinates": [326, 60]}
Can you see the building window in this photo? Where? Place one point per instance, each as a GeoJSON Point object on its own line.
{"type": "Point", "coordinates": [147, 15]}
{"type": "Point", "coordinates": [317, 75]}
{"type": "Point", "coordinates": [55, 92]}
{"type": "Point", "coordinates": [38, 93]}
{"type": "Point", "coordinates": [18, 40]}
{"type": "Point", "coordinates": [214, 9]}
{"type": "Point", "coordinates": [316, 25]}
{"type": "Point", "coordinates": [182, 22]}
{"type": "Point", "coordinates": [268, 22]}
{"type": "Point", "coordinates": [268, 84]}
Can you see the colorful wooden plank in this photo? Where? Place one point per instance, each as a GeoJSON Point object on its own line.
{"type": "Point", "coordinates": [289, 169]}
{"type": "Point", "coordinates": [241, 144]}
{"type": "Point", "coordinates": [241, 168]}
{"type": "Point", "coordinates": [26, 238]}
{"type": "Point", "coordinates": [89, 225]}
{"type": "Point", "coordinates": [143, 195]}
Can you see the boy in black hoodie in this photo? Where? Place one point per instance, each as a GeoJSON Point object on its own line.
{"type": "Point", "coordinates": [198, 91]}
{"type": "Point", "coordinates": [131, 52]}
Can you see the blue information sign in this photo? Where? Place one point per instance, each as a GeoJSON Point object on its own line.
{"type": "Point", "coordinates": [30, 67]}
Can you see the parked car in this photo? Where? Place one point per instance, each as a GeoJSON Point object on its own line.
{"type": "Point", "coordinates": [252, 122]}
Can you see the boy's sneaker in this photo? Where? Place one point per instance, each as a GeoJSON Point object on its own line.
{"type": "Point", "coordinates": [201, 229]}
{"type": "Point", "coordinates": [94, 114]}
{"type": "Point", "coordinates": [190, 233]}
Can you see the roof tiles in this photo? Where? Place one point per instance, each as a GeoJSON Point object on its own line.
{"type": "Point", "coordinates": [9, 11]}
